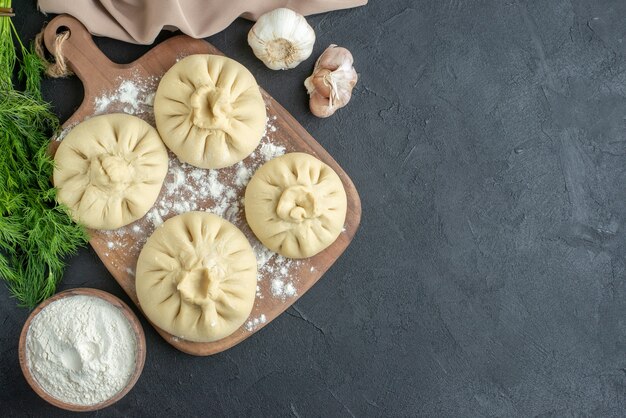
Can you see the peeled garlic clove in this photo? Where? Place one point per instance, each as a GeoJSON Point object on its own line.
{"type": "Point", "coordinates": [282, 39]}
{"type": "Point", "coordinates": [330, 86]}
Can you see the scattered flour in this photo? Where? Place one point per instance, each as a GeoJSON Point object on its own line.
{"type": "Point", "coordinates": [290, 290]}
{"type": "Point", "coordinates": [254, 323]}
{"type": "Point", "coordinates": [270, 151]}
{"type": "Point", "coordinates": [59, 136]}
{"type": "Point", "coordinates": [154, 217]}
{"type": "Point", "coordinates": [178, 179]}
{"type": "Point", "coordinates": [131, 96]}
{"type": "Point", "coordinates": [243, 174]}
{"type": "Point", "coordinates": [282, 289]}
{"type": "Point", "coordinates": [277, 286]}
{"type": "Point", "coordinates": [81, 350]}
{"type": "Point", "coordinates": [263, 255]}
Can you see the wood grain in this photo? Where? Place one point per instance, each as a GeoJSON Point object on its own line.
{"type": "Point", "coordinates": [139, 338]}
{"type": "Point", "coordinates": [99, 75]}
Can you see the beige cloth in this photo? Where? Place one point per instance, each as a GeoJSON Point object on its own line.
{"type": "Point", "coordinates": [140, 21]}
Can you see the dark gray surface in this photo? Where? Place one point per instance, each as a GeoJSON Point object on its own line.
{"type": "Point", "coordinates": [488, 142]}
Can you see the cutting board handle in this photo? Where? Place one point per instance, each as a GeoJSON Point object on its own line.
{"type": "Point", "coordinates": [82, 55]}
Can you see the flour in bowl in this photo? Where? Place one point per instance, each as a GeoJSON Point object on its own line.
{"type": "Point", "coordinates": [81, 350]}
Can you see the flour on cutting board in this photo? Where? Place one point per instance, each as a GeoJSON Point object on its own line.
{"type": "Point", "coordinates": [188, 188]}
{"type": "Point", "coordinates": [253, 323]}
{"type": "Point", "coordinates": [60, 135]}
{"type": "Point", "coordinates": [134, 97]}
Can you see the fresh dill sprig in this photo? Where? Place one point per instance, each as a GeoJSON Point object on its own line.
{"type": "Point", "coordinates": [36, 233]}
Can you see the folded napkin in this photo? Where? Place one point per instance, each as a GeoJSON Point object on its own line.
{"type": "Point", "coordinates": [140, 21]}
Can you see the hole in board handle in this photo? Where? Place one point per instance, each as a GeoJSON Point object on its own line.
{"type": "Point", "coordinates": [62, 29]}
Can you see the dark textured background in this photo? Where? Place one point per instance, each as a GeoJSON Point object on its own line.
{"type": "Point", "coordinates": [487, 139]}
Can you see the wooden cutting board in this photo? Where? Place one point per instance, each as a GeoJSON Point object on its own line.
{"type": "Point", "coordinates": [280, 282]}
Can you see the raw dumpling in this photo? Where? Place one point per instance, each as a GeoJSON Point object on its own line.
{"type": "Point", "coordinates": [209, 111]}
{"type": "Point", "coordinates": [296, 205]}
{"type": "Point", "coordinates": [109, 170]}
{"type": "Point", "coordinates": [196, 277]}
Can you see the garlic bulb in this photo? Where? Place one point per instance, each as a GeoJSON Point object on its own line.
{"type": "Point", "coordinates": [282, 39]}
{"type": "Point", "coordinates": [330, 86]}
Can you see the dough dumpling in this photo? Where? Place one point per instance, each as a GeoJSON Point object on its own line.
{"type": "Point", "coordinates": [296, 205]}
{"type": "Point", "coordinates": [196, 277]}
{"type": "Point", "coordinates": [109, 170]}
{"type": "Point", "coordinates": [209, 111]}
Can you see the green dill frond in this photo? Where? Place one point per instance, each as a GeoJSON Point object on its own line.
{"type": "Point", "coordinates": [30, 72]}
{"type": "Point", "coordinates": [36, 233]}
{"type": "Point", "coordinates": [8, 54]}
